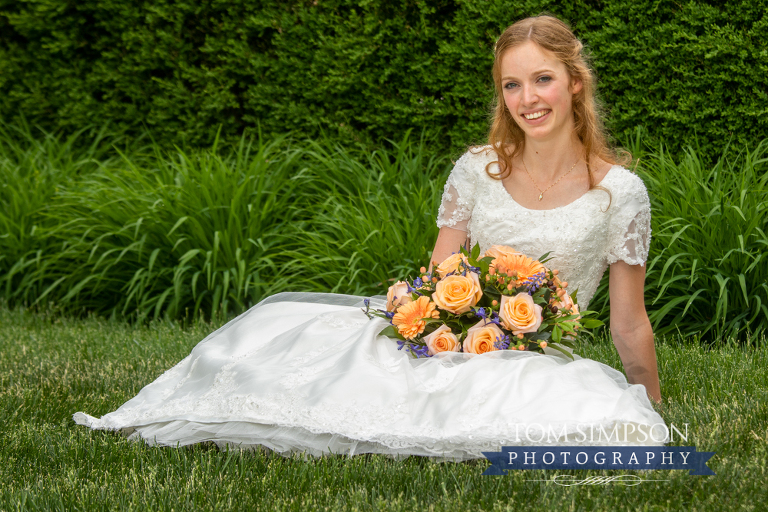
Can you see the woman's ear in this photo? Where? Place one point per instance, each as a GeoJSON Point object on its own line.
{"type": "Point", "coordinates": [576, 85]}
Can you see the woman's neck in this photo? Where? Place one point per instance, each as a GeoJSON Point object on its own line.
{"type": "Point", "coordinates": [549, 159]}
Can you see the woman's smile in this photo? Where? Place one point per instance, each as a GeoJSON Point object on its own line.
{"type": "Point", "coordinates": [537, 115]}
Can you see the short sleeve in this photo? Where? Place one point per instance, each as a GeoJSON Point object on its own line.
{"type": "Point", "coordinates": [630, 227]}
{"type": "Point", "coordinates": [458, 197]}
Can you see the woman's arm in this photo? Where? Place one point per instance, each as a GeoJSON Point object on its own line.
{"type": "Point", "coordinates": [449, 241]}
{"type": "Point", "coordinates": [630, 327]}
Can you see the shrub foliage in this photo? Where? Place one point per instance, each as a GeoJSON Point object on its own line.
{"type": "Point", "coordinates": [371, 70]}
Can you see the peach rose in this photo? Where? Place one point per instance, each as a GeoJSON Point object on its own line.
{"type": "Point", "coordinates": [450, 264]}
{"type": "Point", "coordinates": [482, 338]}
{"type": "Point", "coordinates": [397, 295]}
{"type": "Point", "coordinates": [410, 319]}
{"type": "Point", "coordinates": [519, 314]}
{"type": "Point", "coordinates": [458, 293]}
{"type": "Point", "coordinates": [442, 340]}
{"type": "Point", "coordinates": [499, 250]}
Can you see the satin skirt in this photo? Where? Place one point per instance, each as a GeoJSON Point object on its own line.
{"type": "Point", "coordinates": [310, 373]}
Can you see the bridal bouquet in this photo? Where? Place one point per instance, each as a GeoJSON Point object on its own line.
{"type": "Point", "coordinates": [500, 300]}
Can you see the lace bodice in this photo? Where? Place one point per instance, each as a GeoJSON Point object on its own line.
{"type": "Point", "coordinates": [583, 237]}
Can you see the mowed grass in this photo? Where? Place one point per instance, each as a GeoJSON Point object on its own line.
{"type": "Point", "coordinates": [52, 366]}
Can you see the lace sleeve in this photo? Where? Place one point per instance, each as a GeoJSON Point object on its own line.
{"type": "Point", "coordinates": [458, 197]}
{"type": "Point", "coordinates": [630, 234]}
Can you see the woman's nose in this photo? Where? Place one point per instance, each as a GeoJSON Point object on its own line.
{"type": "Point", "coordinates": [529, 95]}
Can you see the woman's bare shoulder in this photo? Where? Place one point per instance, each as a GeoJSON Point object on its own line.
{"type": "Point", "coordinates": [480, 153]}
{"type": "Point", "coordinates": [599, 168]}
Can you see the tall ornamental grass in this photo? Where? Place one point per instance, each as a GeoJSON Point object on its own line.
{"type": "Point", "coordinates": [709, 271]}
{"type": "Point", "coordinates": [174, 232]}
{"type": "Point", "coordinates": [154, 233]}
{"type": "Point", "coordinates": [142, 232]}
{"type": "Point", "coordinates": [372, 216]}
{"type": "Point", "coordinates": [34, 167]}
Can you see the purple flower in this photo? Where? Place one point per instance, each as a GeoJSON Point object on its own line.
{"type": "Point", "coordinates": [420, 351]}
{"type": "Point", "coordinates": [534, 282]}
{"type": "Point", "coordinates": [494, 318]}
{"type": "Point", "coordinates": [502, 342]}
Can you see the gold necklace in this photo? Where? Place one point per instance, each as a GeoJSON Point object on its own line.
{"type": "Point", "coordinates": [541, 192]}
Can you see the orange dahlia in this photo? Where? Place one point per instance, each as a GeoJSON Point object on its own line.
{"type": "Point", "coordinates": [519, 266]}
{"type": "Point", "coordinates": [410, 318]}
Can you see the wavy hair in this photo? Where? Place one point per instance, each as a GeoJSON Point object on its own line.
{"type": "Point", "coordinates": [507, 138]}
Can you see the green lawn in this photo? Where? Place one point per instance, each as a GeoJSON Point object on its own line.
{"type": "Point", "coordinates": [53, 366]}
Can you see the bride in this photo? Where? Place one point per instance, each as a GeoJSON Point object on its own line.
{"type": "Point", "coordinates": [310, 372]}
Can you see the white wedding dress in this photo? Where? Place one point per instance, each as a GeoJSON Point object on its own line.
{"type": "Point", "coordinates": [310, 373]}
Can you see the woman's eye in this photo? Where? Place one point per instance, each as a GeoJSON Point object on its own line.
{"type": "Point", "coordinates": [545, 78]}
{"type": "Point", "coordinates": [510, 85]}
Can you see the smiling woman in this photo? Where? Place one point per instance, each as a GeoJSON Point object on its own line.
{"type": "Point", "coordinates": [547, 182]}
{"type": "Point", "coordinates": [312, 373]}
{"type": "Point", "coordinates": [545, 91]}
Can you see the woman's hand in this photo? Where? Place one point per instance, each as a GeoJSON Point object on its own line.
{"type": "Point", "coordinates": [449, 241]}
{"type": "Point", "coordinates": [630, 327]}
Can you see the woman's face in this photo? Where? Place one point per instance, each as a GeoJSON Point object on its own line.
{"type": "Point", "coordinates": [538, 91]}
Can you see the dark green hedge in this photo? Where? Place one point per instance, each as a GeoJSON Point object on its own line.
{"type": "Point", "coordinates": [370, 69]}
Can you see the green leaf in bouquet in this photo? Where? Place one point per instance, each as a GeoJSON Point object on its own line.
{"type": "Point", "coordinates": [484, 264]}
{"type": "Point", "coordinates": [591, 323]}
{"type": "Point", "coordinates": [557, 334]}
{"type": "Point", "coordinates": [391, 332]}
{"type": "Point", "coordinates": [545, 257]}
{"type": "Point", "coordinates": [492, 292]}
{"type": "Point", "coordinates": [583, 333]}
{"type": "Point", "coordinates": [561, 350]}
{"type": "Point", "coordinates": [568, 343]}
{"type": "Point", "coordinates": [475, 252]}
{"type": "Point", "coordinates": [543, 326]}
{"type": "Point", "coordinates": [541, 336]}
{"type": "Point", "coordinates": [573, 296]}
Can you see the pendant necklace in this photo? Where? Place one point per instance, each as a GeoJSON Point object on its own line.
{"type": "Point", "coordinates": [541, 192]}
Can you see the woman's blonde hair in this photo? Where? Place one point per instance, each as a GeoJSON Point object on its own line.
{"type": "Point", "coordinates": [507, 138]}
